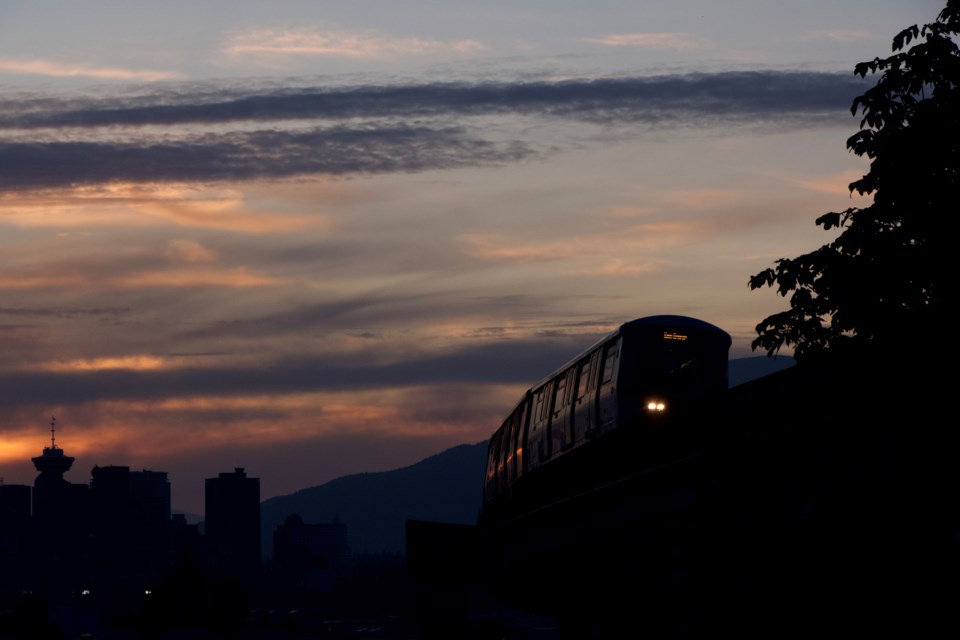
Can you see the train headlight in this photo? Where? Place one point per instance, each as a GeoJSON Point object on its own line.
{"type": "Point", "coordinates": [656, 406]}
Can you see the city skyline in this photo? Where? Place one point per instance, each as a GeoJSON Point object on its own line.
{"type": "Point", "coordinates": [311, 241]}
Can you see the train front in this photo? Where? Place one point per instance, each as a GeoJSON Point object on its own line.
{"type": "Point", "coordinates": [673, 376]}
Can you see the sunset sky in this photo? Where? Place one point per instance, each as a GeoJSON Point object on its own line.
{"type": "Point", "coordinates": [318, 238]}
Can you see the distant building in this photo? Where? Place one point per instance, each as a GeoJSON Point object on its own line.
{"type": "Point", "coordinates": [186, 542]}
{"type": "Point", "coordinates": [14, 507]}
{"type": "Point", "coordinates": [150, 517]}
{"type": "Point", "coordinates": [14, 533]}
{"type": "Point", "coordinates": [232, 522]}
{"type": "Point", "coordinates": [131, 522]}
{"type": "Point", "coordinates": [312, 557]}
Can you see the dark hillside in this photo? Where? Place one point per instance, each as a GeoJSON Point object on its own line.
{"type": "Point", "coordinates": [743, 370]}
{"type": "Point", "coordinates": [374, 506]}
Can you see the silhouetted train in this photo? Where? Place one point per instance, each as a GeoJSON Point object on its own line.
{"type": "Point", "coordinates": [640, 397]}
{"type": "Point", "coordinates": [592, 482]}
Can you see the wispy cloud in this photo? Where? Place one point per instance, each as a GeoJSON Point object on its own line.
{"type": "Point", "coordinates": [234, 278]}
{"type": "Point", "coordinates": [190, 251]}
{"type": "Point", "coordinates": [705, 199]}
{"type": "Point", "coordinates": [339, 43]}
{"type": "Point", "coordinates": [639, 238]}
{"type": "Point", "coordinates": [68, 313]}
{"type": "Point", "coordinates": [839, 35]}
{"type": "Point", "coordinates": [662, 40]}
{"type": "Point", "coordinates": [832, 184]}
{"type": "Point", "coordinates": [266, 154]}
{"type": "Point", "coordinates": [620, 267]}
{"type": "Point", "coordinates": [108, 275]}
{"type": "Point", "coordinates": [67, 70]}
{"type": "Point", "coordinates": [486, 362]}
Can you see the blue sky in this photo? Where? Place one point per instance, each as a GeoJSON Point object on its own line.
{"type": "Point", "coordinates": [311, 239]}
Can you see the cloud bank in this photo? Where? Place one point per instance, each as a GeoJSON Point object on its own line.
{"type": "Point", "coordinates": [639, 99]}
{"type": "Point", "coordinates": [48, 142]}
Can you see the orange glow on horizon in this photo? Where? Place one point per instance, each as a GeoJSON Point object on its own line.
{"type": "Point", "coordinates": [131, 363]}
{"type": "Point", "coordinates": [237, 277]}
{"type": "Point", "coordinates": [141, 204]}
{"type": "Point", "coordinates": [18, 449]}
{"type": "Point", "coordinates": [166, 427]}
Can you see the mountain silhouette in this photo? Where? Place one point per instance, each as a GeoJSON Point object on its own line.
{"type": "Point", "coordinates": [742, 370]}
{"type": "Point", "coordinates": [445, 487]}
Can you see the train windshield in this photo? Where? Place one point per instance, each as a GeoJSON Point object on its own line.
{"type": "Point", "coordinates": [683, 363]}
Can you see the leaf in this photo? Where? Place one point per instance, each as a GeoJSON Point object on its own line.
{"type": "Point", "coordinates": [763, 279]}
{"type": "Point", "coordinates": [829, 220]}
{"type": "Point", "coordinates": [904, 37]}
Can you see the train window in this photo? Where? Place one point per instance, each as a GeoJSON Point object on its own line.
{"type": "Point", "coordinates": [610, 362]}
{"type": "Point", "coordinates": [493, 466]}
{"type": "Point", "coordinates": [505, 457]}
{"type": "Point", "coordinates": [507, 450]}
{"type": "Point", "coordinates": [494, 452]}
{"type": "Point", "coordinates": [538, 425]}
{"type": "Point", "coordinates": [559, 395]}
{"type": "Point", "coordinates": [541, 405]}
{"type": "Point", "coordinates": [518, 424]}
{"type": "Point", "coordinates": [584, 374]}
{"type": "Point", "coordinates": [568, 435]}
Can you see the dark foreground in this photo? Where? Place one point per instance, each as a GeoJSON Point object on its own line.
{"type": "Point", "coordinates": [823, 504]}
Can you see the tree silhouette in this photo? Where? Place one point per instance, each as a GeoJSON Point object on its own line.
{"type": "Point", "coordinates": [883, 281]}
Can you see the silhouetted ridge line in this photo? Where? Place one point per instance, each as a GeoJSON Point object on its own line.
{"type": "Point", "coordinates": [444, 487]}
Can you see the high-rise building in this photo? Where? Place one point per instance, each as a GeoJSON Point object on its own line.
{"type": "Point", "coordinates": [14, 532]}
{"type": "Point", "coordinates": [131, 521]}
{"type": "Point", "coordinates": [14, 506]}
{"type": "Point", "coordinates": [110, 521]}
{"type": "Point", "coordinates": [232, 522]}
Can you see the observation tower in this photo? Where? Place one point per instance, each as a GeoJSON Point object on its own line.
{"type": "Point", "coordinates": [53, 463]}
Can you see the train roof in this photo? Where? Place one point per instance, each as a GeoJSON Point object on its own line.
{"type": "Point", "coordinates": [675, 321]}
{"type": "Point", "coordinates": [647, 321]}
